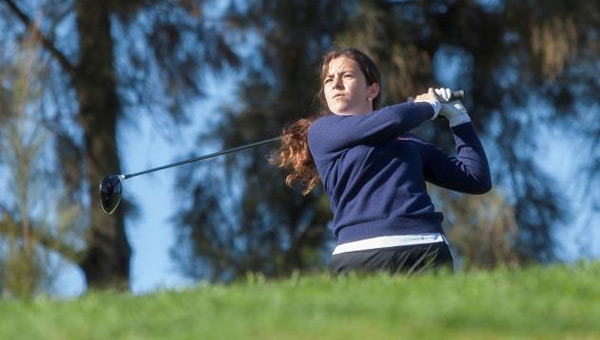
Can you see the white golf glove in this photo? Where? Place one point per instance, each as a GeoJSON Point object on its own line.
{"type": "Point", "coordinates": [454, 110]}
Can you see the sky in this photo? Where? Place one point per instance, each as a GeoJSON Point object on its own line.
{"type": "Point", "coordinates": [560, 155]}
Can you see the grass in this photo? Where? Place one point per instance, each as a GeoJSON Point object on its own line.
{"type": "Point", "coordinates": [557, 302]}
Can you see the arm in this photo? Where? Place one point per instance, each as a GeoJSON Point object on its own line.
{"type": "Point", "coordinates": [335, 133]}
{"type": "Point", "coordinates": [468, 172]}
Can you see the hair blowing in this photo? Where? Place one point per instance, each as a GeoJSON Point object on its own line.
{"type": "Point", "coordinates": [294, 154]}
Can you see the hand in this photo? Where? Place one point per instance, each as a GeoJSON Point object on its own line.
{"type": "Point", "coordinates": [455, 111]}
{"type": "Point", "coordinates": [445, 94]}
{"type": "Point", "coordinates": [428, 96]}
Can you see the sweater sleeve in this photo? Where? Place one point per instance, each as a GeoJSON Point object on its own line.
{"type": "Point", "coordinates": [468, 172]}
{"type": "Point", "coordinates": [335, 133]}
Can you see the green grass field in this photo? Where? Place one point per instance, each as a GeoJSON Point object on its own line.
{"type": "Point", "coordinates": [557, 302]}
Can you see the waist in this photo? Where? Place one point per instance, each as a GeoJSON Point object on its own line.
{"type": "Point", "coordinates": [389, 241]}
{"type": "Point", "coordinates": [389, 227]}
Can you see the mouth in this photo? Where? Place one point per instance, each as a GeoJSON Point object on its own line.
{"type": "Point", "coordinates": [339, 95]}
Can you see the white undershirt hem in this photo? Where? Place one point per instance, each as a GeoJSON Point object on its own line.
{"type": "Point", "coordinates": [388, 241]}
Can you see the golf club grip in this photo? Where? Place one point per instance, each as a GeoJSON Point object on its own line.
{"type": "Point", "coordinates": [457, 95]}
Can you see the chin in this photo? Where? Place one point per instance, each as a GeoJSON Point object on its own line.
{"type": "Point", "coordinates": [341, 111]}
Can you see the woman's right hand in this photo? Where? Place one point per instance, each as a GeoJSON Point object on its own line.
{"type": "Point", "coordinates": [430, 95]}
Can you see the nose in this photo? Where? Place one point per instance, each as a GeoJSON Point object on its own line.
{"type": "Point", "coordinates": [338, 83]}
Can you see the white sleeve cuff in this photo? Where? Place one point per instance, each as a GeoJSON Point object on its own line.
{"type": "Point", "coordinates": [436, 107]}
{"type": "Point", "coordinates": [460, 119]}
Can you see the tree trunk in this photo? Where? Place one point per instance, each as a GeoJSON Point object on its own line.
{"type": "Point", "coordinates": [106, 263]}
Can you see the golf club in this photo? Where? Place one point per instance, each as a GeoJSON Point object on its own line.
{"type": "Point", "coordinates": [112, 186]}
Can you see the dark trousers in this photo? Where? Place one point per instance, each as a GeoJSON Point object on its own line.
{"type": "Point", "coordinates": [408, 260]}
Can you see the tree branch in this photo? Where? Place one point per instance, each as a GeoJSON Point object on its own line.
{"type": "Point", "coordinates": [10, 230]}
{"type": "Point", "coordinates": [46, 42]}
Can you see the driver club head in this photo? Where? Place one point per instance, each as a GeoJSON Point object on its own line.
{"type": "Point", "coordinates": [110, 192]}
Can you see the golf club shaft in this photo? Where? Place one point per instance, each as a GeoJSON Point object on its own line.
{"type": "Point", "coordinates": [199, 158]}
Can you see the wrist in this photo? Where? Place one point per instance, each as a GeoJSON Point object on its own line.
{"type": "Point", "coordinates": [436, 105]}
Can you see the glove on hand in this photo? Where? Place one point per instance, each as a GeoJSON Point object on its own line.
{"type": "Point", "coordinates": [454, 110]}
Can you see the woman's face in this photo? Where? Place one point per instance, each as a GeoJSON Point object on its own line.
{"type": "Point", "coordinates": [346, 90]}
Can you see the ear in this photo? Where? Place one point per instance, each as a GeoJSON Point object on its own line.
{"type": "Point", "coordinates": [373, 90]}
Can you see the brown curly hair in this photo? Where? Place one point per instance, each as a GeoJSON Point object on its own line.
{"type": "Point", "coordinates": [294, 154]}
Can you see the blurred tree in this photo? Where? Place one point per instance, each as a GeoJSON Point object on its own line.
{"type": "Point", "coordinates": [482, 229]}
{"type": "Point", "coordinates": [20, 146]}
{"type": "Point", "coordinates": [524, 66]}
{"type": "Point", "coordinates": [108, 62]}
{"type": "Point", "coordinates": [25, 226]}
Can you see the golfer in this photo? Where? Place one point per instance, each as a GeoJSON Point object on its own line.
{"type": "Point", "coordinates": [374, 170]}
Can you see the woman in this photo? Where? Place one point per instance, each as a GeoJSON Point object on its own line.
{"type": "Point", "coordinates": [374, 171]}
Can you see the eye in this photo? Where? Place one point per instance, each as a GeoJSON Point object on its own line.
{"type": "Point", "coordinates": [328, 80]}
{"type": "Point", "coordinates": [348, 75]}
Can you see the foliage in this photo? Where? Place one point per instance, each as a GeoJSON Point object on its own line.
{"type": "Point", "coordinates": [482, 230]}
{"type": "Point", "coordinates": [555, 302]}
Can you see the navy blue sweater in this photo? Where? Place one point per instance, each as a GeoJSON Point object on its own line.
{"type": "Point", "coordinates": [374, 171]}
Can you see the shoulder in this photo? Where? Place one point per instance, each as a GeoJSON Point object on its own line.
{"type": "Point", "coordinates": [321, 126]}
{"type": "Point", "coordinates": [324, 118]}
{"type": "Point", "coordinates": [321, 122]}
